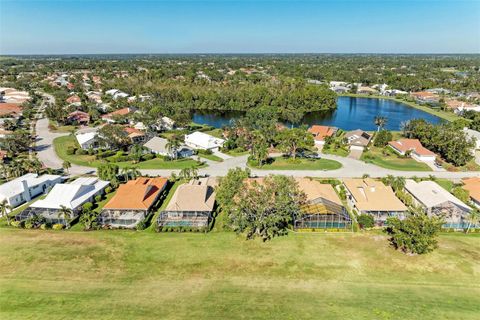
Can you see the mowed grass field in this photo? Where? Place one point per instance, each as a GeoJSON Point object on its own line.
{"type": "Point", "coordinates": [144, 275]}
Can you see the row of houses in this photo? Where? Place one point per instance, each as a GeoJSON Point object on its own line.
{"type": "Point", "coordinates": [193, 203]}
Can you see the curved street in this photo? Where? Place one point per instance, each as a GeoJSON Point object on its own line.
{"type": "Point", "coordinates": [350, 167]}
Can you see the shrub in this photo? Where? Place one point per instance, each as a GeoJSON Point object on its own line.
{"type": "Point", "coordinates": [382, 138]}
{"type": "Point", "coordinates": [16, 224]}
{"type": "Point", "coordinates": [44, 226]}
{"type": "Point", "coordinates": [108, 190]}
{"type": "Point", "coordinates": [87, 207]}
{"type": "Point", "coordinates": [141, 225]}
{"type": "Point", "coordinates": [81, 152]}
{"type": "Point", "coordinates": [98, 198]}
{"type": "Point", "coordinates": [29, 225]}
{"type": "Point", "coordinates": [365, 221]}
{"type": "Point", "coordinates": [148, 156]}
{"type": "Point", "coordinates": [57, 226]}
{"type": "Point", "coordinates": [71, 150]}
{"type": "Point", "coordinates": [416, 234]}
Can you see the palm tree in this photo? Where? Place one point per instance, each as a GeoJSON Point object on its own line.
{"type": "Point", "coordinates": [194, 172]}
{"type": "Point", "coordinates": [473, 218]}
{"type": "Point", "coordinates": [136, 153]}
{"type": "Point", "coordinates": [66, 213]}
{"type": "Point", "coordinates": [380, 122]}
{"type": "Point", "coordinates": [66, 165]}
{"type": "Point", "coordinates": [4, 208]}
{"type": "Point", "coordinates": [185, 173]}
{"type": "Point", "coordinates": [173, 144]}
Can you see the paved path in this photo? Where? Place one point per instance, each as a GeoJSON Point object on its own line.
{"type": "Point", "coordinates": [46, 153]}
{"type": "Point", "coordinates": [350, 167]}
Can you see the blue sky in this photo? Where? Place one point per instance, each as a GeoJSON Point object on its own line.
{"type": "Point", "coordinates": [247, 26]}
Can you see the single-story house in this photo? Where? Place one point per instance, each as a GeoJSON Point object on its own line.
{"type": "Point", "coordinates": [418, 151]}
{"type": "Point", "coordinates": [79, 117]}
{"type": "Point", "coordinates": [135, 135]}
{"type": "Point", "coordinates": [436, 201]}
{"type": "Point", "coordinates": [201, 140]}
{"type": "Point", "coordinates": [73, 99]}
{"type": "Point", "coordinates": [358, 139]}
{"type": "Point", "coordinates": [158, 145]}
{"type": "Point", "coordinates": [394, 92]}
{"type": "Point", "coordinates": [70, 195]}
{"type": "Point", "coordinates": [366, 90]}
{"type": "Point", "coordinates": [340, 89]}
{"type": "Point", "coordinates": [472, 185]}
{"type": "Point", "coordinates": [132, 202]}
{"type": "Point", "coordinates": [26, 187]}
{"type": "Point", "coordinates": [425, 97]}
{"type": "Point", "coordinates": [192, 205]}
{"type": "Point", "coordinates": [115, 93]}
{"type": "Point", "coordinates": [87, 139]}
{"type": "Point", "coordinates": [10, 110]}
{"type": "Point", "coordinates": [323, 210]}
{"type": "Point", "coordinates": [110, 117]}
{"type": "Point", "coordinates": [368, 196]}
{"type": "Point", "coordinates": [473, 134]}
{"type": "Point", "coordinates": [321, 132]}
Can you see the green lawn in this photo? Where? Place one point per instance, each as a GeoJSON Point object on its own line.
{"type": "Point", "coordinates": [390, 160]}
{"type": "Point", "coordinates": [281, 163]}
{"type": "Point", "coordinates": [144, 275]}
{"type": "Point", "coordinates": [61, 145]}
{"type": "Point", "coordinates": [336, 151]}
{"type": "Point", "coordinates": [211, 157]}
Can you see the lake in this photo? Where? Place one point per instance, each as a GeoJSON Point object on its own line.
{"type": "Point", "coordinates": [351, 113]}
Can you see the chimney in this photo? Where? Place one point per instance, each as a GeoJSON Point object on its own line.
{"type": "Point", "coordinates": [26, 191]}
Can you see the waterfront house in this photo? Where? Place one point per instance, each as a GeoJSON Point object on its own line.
{"type": "Point", "coordinates": [321, 132]}
{"type": "Point", "coordinates": [191, 205]}
{"type": "Point", "coordinates": [200, 140]}
{"type": "Point", "coordinates": [70, 195]}
{"type": "Point", "coordinates": [26, 187]}
{"type": "Point", "coordinates": [369, 196]}
{"type": "Point", "coordinates": [436, 201]}
{"type": "Point", "coordinates": [416, 149]}
{"type": "Point", "coordinates": [425, 97]}
{"type": "Point", "coordinates": [323, 208]}
{"type": "Point", "coordinates": [132, 202]}
{"type": "Point", "coordinates": [358, 139]}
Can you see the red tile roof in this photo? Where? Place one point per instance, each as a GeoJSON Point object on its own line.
{"type": "Point", "coordinates": [321, 132]}
{"type": "Point", "coordinates": [415, 145]}
{"type": "Point", "coordinates": [73, 99]}
{"type": "Point", "coordinates": [139, 194]}
{"type": "Point", "coordinates": [120, 112]}
{"type": "Point", "coordinates": [10, 109]}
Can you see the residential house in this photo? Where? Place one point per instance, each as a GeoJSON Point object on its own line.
{"type": "Point", "coordinates": [415, 147]}
{"type": "Point", "coordinates": [472, 185]}
{"type": "Point", "coordinates": [10, 110]}
{"type": "Point", "coordinates": [321, 132]}
{"type": "Point", "coordinates": [78, 117]}
{"type": "Point", "coordinates": [340, 89]}
{"type": "Point", "coordinates": [366, 90]}
{"type": "Point", "coordinates": [132, 202]}
{"type": "Point", "coordinates": [473, 134]}
{"type": "Point", "coordinates": [158, 145]}
{"type": "Point", "coordinates": [358, 139]}
{"type": "Point", "coordinates": [425, 97]}
{"type": "Point", "coordinates": [11, 95]}
{"type": "Point", "coordinates": [87, 138]}
{"type": "Point", "coordinates": [369, 196]}
{"type": "Point", "coordinates": [74, 99]}
{"type": "Point", "coordinates": [436, 201]}
{"type": "Point", "coordinates": [393, 92]}
{"type": "Point", "coordinates": [26, 187]}
{"type": "Point", "coordinates": [200, 140]}
{"type": "Point", "coordinates": [94, 96]}
{"type": "Point", "coordinates": [191, 205]}
{"type": "Point", "coordinates": [323, 208]}
{"type": "Point", "coordinates": [135, 135]}
{"type": "Point", "coordinates": [70, 195]}
{"type": "Point", "coordinates": [164, 124]}
{"type": "Point", "coordinates": [111, 117]}
{"type": "Point", "coordinates": [116, 94]}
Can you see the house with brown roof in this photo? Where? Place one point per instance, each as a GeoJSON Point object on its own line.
{"type": "Point", "coordinates": [425, 97]}
{"type": "Point", "coordinates": [10, 110]}
{"type": "Point", "coordinates": [323, 208]}
{"type": "Point", "coordinates": [111, 117]}
{"type": "Point", "coordinates": [358, 139]}
{"type": "Point", "coordinates": [472, 185]}
{"type": "Point", "coordinates": [191, 205]}
{"type": "Point", "coordinates": [369, 196]}
{"type": "Point", "coordinates": [132, 202]}
{"type": "Point", "coordinates": [415, 147]}
{"type": "Point", "coordinates": [135, 135]}
{"type": "Point", "coordinates": [73, 99]}
{"type": "Point", "coordinates": [321, 132]}
{"type": "Point", "coordinates": [78, 117]}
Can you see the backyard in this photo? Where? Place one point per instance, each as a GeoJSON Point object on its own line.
{"type": "Point", "coordinates": [61, 145]}
{"type": "Point", "coordinates": [282, 163]}
{"type": "Point", "coordinates": [145, 275]}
